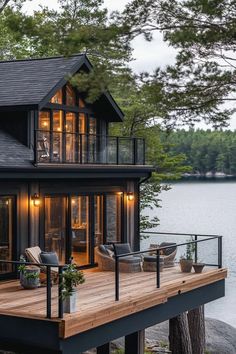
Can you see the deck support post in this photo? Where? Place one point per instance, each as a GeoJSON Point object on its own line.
{"type": "Point", "coordinates": [104, 349]}
{"type": "Point", "coordinates": [135, 342]}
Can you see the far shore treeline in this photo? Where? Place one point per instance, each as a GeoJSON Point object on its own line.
{"type": "Point", "coordinates": [208, 153]}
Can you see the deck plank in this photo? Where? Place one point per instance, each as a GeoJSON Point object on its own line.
{"type": "Point", "coordinates": [96, 296]}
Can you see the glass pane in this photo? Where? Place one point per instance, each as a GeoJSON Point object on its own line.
{"type": "Point", "coordinates": [70, 95]}
{"type": "Point", "coordinates": [55, 225]}
{"type": "Point", "coordinates": [126, 151]}
{"type": "Point", "coordinates": [113, 218]}
{"type": "Point", "coordinates": [70, 128]}
{"type": "Point", "coordinates": [81, 103]}
{"type": "Point", "coordinates": [98, 226]}
{"type": "Point", "coordinates": [82, 123]}
{"type": "Point", "coordinates": [111, 150]}
{"type": "Point", "coordinates": [6, 232]}
{"type": "Point", "coordinates": [57, 98]}
{"type": "Point", "coordinates": [80, 229]}
{"type": "Point", "coordinates": [92, 125]}
{"type": "Point", "coordinates": [140, 152]}
{"type": "Point", "coordinates": [44, 120]}
{"type": "Point", "coordinates": [57, 136]}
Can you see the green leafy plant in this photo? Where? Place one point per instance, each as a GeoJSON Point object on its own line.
{"type": "Point", "coordinates": [190, 249]}
{"type": "Point", "coordinates": [71, 278]}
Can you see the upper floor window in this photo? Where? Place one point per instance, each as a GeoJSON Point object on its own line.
{"type": "Point", "coordinates": [70, 95]}
{"type": "Point", "coordinates": [57, 98]}
{"type": "Point", "coordinates": [44, 120]}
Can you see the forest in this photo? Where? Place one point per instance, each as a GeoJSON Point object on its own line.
{"type": "Point", "coordinates": [206, 151]}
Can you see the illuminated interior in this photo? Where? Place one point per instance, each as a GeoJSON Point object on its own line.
{"type": "Point", "coordinates": [6, 232]}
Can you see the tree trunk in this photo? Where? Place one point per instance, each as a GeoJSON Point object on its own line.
{"type": "Point", "coordinates": [196, 323]}
{"type": "Point", "coordinates": [179, 336]}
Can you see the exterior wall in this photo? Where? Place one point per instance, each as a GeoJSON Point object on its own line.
{"type": "Point", "coordinates": [29, 225]}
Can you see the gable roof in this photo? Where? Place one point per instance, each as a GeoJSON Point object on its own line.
{"type": "Point", "coordinates": [31, 83]}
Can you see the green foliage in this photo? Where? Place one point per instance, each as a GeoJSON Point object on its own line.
{"type": "Point", "coordinates": [202, 79]}
{"type": "Point", "coordinates": [205, 151]}
{"type": "Point", "coordinates": [190, 249]}
{"type": "Point", "coordinates": [71, 278]}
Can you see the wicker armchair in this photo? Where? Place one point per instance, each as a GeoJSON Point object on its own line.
{"type": "Point", "coordinates": [104, 256]}
{"type": "Point", "coordinates": [168, 254]}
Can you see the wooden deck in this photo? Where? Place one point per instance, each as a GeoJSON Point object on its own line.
{"type": "Point", "coordinates": [97, 303]}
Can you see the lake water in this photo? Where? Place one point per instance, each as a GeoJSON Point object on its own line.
{"type": "Point", "coordinates": [204, 208]}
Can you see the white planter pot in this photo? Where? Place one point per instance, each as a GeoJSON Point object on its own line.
{"type": "Point", "coordinates": [70, 303]}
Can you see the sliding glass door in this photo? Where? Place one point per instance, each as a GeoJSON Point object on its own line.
{"type": "Point", "coordinates": [75, 224]}
{"type": "Point", "coordinates": [7, 204]}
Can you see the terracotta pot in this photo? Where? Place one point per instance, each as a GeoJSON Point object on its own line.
{"type": "Point", "coordinates": [186, 265]}
{"type": "Point", "coordinates": [198, 267]}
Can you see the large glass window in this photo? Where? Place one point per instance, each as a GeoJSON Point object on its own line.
{"type": "Point", "coordinates": [57, 98]}
{"type": "Point", "coordinates": [6, 232]}
{"type": "Point", "coordinates": [57, 136]}
{"type": "Point", "coordinates": [113, 217]}
{"type": "Point", "coordinates": [98, 220]}
{"type": "Point", "coordinates": [70, 95]}
{"type": "Point", "coordinates": [80, 229]}
{"type": "Point", "coordinates": [70, 128]}
{"type": "Point", "coordinates": [55, 225]}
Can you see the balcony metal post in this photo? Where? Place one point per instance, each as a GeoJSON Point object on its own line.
{"type": "Point", "coordinates": [158, 267]}
{"type": "Point", "coordinates": [117, 279]}
{"type": "Point", "coordinates": [60, 302]}
{"type": "Point", "coordinates": [49, 299]}
{"type": "Point", "coordinates": [220, 252]}
{"type": "Point", "coordinates": [195, 248]}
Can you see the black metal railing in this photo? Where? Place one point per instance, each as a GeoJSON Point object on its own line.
{"type": "Point", "coordinates": [48, 287]}
{"type": "Point", "coordinates": [158, 251]}
{"type": "Point", "coordinates": [72, 148]}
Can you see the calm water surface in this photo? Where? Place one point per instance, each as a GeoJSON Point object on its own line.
{"type": "Point", "coordinates": [205, 208]}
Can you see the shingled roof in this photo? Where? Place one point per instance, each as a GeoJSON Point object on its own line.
{"type": "Point", "coordinates": [13, 153]}
{"type": "Point", "coordinates": [32, 82]}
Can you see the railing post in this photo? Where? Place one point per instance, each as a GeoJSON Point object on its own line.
{"type": "Point", "coordinates": [60, 302]}
{"type": "Point", "coordinates": [220, 252]}
{"type": "Point", "coordinates": [195, 248]}
{"type": "Point", "coordinates": [117, 279]}
{"type": "Point", "coordinates": [49, 299]}
{"type": "Point", "coordinates": [158, 268]}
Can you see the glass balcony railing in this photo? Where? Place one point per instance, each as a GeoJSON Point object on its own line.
{"type": "Point", "coordinates": [73, 148]}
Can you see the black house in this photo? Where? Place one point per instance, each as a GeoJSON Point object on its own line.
{"type": "Point", "coordinates": [65, 184]}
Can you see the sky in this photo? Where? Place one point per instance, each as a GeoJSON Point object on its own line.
{"type": "Point", "coordinates": [147, 55]}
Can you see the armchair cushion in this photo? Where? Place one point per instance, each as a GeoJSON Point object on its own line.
{"type": "Point", "coordinates": [121, 248]}
{"type": "Point", "coordinates": [49, 258]}
{"type": "Point", "coordinates": [130, 259]}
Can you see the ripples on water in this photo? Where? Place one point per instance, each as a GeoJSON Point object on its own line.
{"type": "Point", "coordinates": [205, 208]}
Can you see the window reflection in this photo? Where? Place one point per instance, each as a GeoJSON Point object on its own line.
{"type": "Point", "coordinates": [70, 95]}
{"type": "Point", "coordinates": [113, 217]}
{"type": "Point", "coordinates": [70, 128]}
{"type": "Point", "coordinates": [80, 229]}
{"type": "Point", "coordinates": [6, 232]}
{"type": "Point", "coordinates": [57, 98]}
{"type": "Point", "coordinates": [57, 136]}
{"type": "Point", "coordinates": [55, 225]}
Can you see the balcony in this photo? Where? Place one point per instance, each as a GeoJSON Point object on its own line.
{"type": "Point", "coordinates": [73, 148]}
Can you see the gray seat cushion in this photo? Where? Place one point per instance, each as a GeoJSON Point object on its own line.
{"type": "Point", "coordinates": [130, 259]}
{"type": "Point", "coordinates": [104, 249]}
{"type": "Point", "coordinates": [152, 259]}
{"type": "Point", "coordinates": [170, 250]}
{"type": "Point", "coordinates": [122, 248]}
{"type": "Point", "coordinates": [49, 258]}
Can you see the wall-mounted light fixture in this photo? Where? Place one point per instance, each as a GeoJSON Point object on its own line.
{"type": "Point", "coordinates": [36, 199]}
{"type": "Point", "coordinates": [130, 196]}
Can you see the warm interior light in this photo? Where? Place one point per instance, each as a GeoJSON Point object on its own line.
{"type": "Point", "coordinates": [45, 124]}
{"type": "Point", "coordinates": [130, 196]}
{"type": "Point", "coordinates": [119, 193]}
{"type": "Point", "coordinates": [36, 199]}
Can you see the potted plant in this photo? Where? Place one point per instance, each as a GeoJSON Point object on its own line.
{"type": "Point", "coordinates": [29, 276]}
{"type": "Point", "coordinates": [186, 261]}
{"type": "Point", "coordinates": [198, 267]}
{"type": "Point", "coordinates": [71, 278]}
